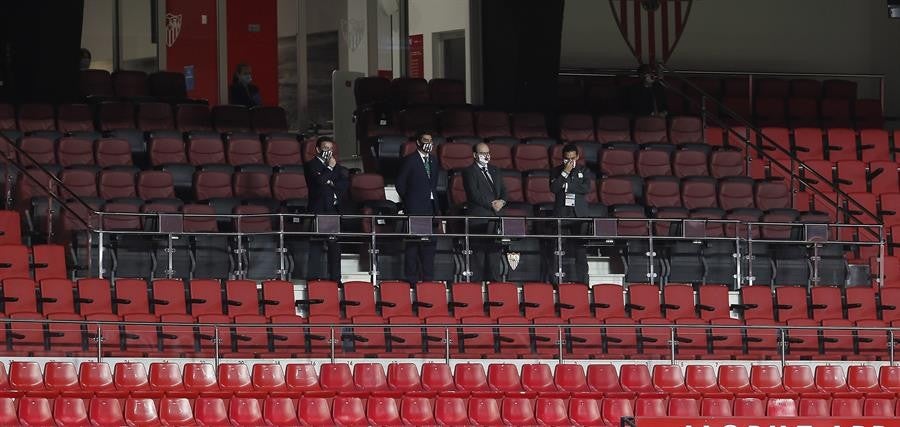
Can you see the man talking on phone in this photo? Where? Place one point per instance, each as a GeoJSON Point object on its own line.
{"type": "Point", "coordinates": [570, 183]}
{"type": "Point", "coordinates": [328, 184]}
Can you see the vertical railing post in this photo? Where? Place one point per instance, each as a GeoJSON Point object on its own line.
{"type": "Point", "coordinates": [738, 273]}
{"type": "Point", "coordinates": [282, 251]}
{"type": "Point", "coordinates": [560, 342]}
{"type": "Point", "coordinates": [50, 212]}
{"type": "Point", "coordinates": [783, 346]}
{"type": "Point", "coordinates": [651, 253]}
{"type": "Point", "coordinates": [467, 252]}
{"type": "Point", "coordinates": [672, 342]}
{"type": "Point", "coordinates": [748, 149]}
{"type": "Point", "coordinates": [239, 253]}
{"type": "Point", "coordinates": [881, 255]}
{"type": "Point", "coordinates": [373, 253]}
{"type": "Point", "coordinates": [560, 274]}
{"type": "Point", "coordinates": [99, 343]}
{"type": "Point", "coordinates": [750, 275]}
{"type": "Point", "coordinates": [815, 258]}
{"type": "Point", "coordinates": [100, 252]}
{"type": "Point", "coordinates": [331, 342]}
{"type": "Point", "coordinates": [216, 341]}
{"type": "Point", "coordinates": [170, 260]}
{"type": "Point", "coordinates": [447, 345]}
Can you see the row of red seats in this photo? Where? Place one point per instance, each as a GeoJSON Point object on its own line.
{"type": "Point", "coordinates": [145, 116]}
{"type": "Point", "coordinates": [606, 328]}
{"type": "Point", "coordinates": [312, 410]}
{"type": "Point", "coordinates": [431, 299]}
{"type": "Point", "coordinates": [158, 187]}
{"type": "Point", "coordinates": [623, 158]}
{"type": "Point", "coordinates": [362, 379]}
{"type": "Point", "coordinates": [200, 150]}
{"type": "Point", "coordinates": [811, 143]}
{"type": "Point", "coordinates": [413, 410]}
{"type": "Point", "coordinates": [43, 262]}
{"type": "Point", "coordinates": [131, 84]}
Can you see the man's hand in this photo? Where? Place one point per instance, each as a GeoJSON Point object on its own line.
{"type": "Point", "coordinates": [332, 162]}
{"type": "Point", "coordinates": [497, 205]}
{"type": "Point", "coordinates": [567, 168]}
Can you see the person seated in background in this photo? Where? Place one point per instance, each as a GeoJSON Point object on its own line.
{"type": "Point", "coordinates": [647, 97]}
{"type": "Point", "coordinates": [85, 61]}
{"type": "Point", "coordinates": [242, 90]}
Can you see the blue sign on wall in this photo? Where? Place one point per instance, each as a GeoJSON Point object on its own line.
{"type": "Point", "coordinates": [189, 77]}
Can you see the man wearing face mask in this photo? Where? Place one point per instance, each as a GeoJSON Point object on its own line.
{"type": "Point", "coordinates": [486, 196]}
{"type": "Point", "coordinates": [569, 183]}
{"type": "Point", "coordinates": [328, 184]}
{"type": "Point", "coordinates": [417, 186]}
{"type": "Point", "coordinates": [242, 90]}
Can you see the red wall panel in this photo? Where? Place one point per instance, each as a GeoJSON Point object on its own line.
{"type": "Point", "coordinates": [253, 39]}
{"type": "Point", "coordinates": [195, 45]}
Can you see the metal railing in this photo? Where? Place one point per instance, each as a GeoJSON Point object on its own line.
{"type": "Point", "coordinates": [605, 230]}
{"type": "Point", "coordinates": [337, 340]}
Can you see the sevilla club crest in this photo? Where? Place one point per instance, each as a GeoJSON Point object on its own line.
{"type": "Point", "coordinates": [173, 28]}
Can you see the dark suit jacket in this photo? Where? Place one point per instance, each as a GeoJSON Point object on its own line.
{"type": "Point", "coordinates": [480, 193]}
{"type": "Point", "coordinates": [414, 186]}
{"type": "Point", "coordinates": [579, 185]}
{"type": "Point", "coordinates": [322, 194]}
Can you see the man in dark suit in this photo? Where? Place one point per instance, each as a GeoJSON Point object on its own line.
{"type": "Point", "coordinates": [417, 186]}
{"type": "Point", "coordinates": [570, 182]}
{"type": "Point", "coordinates": [328, 184]}
{"type": "Point", "coordinates": [486, 197]}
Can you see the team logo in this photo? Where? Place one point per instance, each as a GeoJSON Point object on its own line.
{"type": "Point", "coordinates": [651, 28]}
{"type": "Point", "coordinates": [513, 259]}
{"type": "Point", "coordinates": [173, 28]}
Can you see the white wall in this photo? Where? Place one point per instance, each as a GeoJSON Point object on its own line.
{"type": "Point", "coordinates": [427, 17]}
{"type": "Point", "coordinates": [822, 36]}
{"type": "Point", "coordinates": [96, 32]}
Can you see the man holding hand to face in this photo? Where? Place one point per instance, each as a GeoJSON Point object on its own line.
{"type": "Point", "coordinates": [486, 196]}
{"type": "Point", "coordinates": [328, 185]}
{"type": "Point", "coordinates": [570, 183]}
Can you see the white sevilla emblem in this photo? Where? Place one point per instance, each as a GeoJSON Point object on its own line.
{"type": "Point", "coordinates": [173, 28]}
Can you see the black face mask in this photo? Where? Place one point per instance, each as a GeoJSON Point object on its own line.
{"type": "Point", "coordinates": [426, 147]}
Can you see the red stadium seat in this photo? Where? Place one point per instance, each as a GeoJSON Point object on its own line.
{"type": "Point", "coordinates": [450, 410]}
{"type": "Point", "coordinates": [437, 377]}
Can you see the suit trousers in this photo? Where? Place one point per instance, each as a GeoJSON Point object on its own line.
{"type": "Point", "coordinates": [331, 246]}
{"type": "Point", "coordinates": [488, 251]}
{"type": "Point", "coordinates": [573, 248]}
{"type": "Point", "coordinates": [418, 260]}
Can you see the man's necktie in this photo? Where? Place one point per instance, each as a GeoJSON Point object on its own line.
{"type": "Point", "coordinates": [428, 167]}
{"type": "Point", "coordinates": [489, 179]}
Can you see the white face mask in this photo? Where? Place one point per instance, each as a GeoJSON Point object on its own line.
{"type": "Point", "coordinates": [483, 159]}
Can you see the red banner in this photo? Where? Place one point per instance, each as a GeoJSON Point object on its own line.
{"type": "Point", "coordinates": [766, 422]}
{"type": "Point", "coordinates": [416, 56]}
